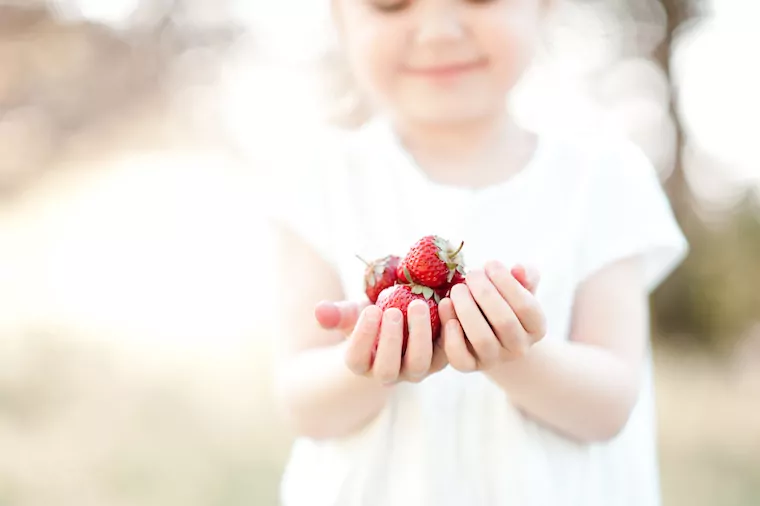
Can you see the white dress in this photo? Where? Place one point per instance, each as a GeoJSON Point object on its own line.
{"type": "Point", "coordinates": [455, 439]}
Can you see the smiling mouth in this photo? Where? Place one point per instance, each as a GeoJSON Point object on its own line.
{"type": "Point", "coordinates": [450, 70]}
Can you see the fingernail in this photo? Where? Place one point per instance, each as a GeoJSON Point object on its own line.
{"type": "Point", "coordinates": [458, 288]}
{"type": "Point", "coordinates": [494, 269]}
{"type": "Point", "coordinates": [395, 316]}
{"type": "Point", "coordinates": [421, 306]}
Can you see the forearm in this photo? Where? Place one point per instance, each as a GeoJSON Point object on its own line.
{"type": "Point", "coordinates": [583, 391]}
{"type": "Point", "coordinates": [322, 398]}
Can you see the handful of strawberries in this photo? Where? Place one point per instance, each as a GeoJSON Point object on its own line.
{"type": "Point", "coordinates": [431, 267]}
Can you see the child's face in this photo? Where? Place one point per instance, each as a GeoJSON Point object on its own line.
{"type": "Point", "coordinates": [439, 60]}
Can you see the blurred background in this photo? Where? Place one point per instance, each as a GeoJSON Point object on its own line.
{"type": "Point", "coordinates": [135, 320]}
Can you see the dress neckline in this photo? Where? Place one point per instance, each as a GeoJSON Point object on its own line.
{"type": "Point", "coordinates": [383, 136]}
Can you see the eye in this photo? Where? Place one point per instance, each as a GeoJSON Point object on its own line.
{"type": "Point", "coordinates": [390, 6]}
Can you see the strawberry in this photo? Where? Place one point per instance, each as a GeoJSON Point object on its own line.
{"type": "Point", "coordinates": [458, 277]}
{"type": "Point", "coordinates": [445, 290]}
{"type": "Point", "coordinates": [433, 262]}
{"type": "Point", "coordinates": [400, 296]}
{"type": "Point", "coordinates": [379, 275]}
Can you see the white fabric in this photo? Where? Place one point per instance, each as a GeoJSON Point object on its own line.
{"type": "Point", "coordinates": [455, 439]}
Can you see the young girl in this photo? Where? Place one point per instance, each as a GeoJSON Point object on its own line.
{"type": "Point", "coordinates": [538, 392]}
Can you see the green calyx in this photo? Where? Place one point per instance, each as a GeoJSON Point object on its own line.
{"type": "Point", "coordinates": [451, 257]}
{"type": "Point", "coordinates": [426, 292]}
{"type": "Point", "coordinates": [446, 253]}
{"type": "Point", "coordinates": [407, 275]}
{"type": "Point", "coordinates": [377, 269]}
{"type": "Point", "coordinates": [377, 273]}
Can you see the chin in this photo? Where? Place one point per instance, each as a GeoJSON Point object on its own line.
{"type": "Point", "coordinates": [463, 100]}
{"type": "Point", "coordinates": [442, 108]}
{"type": "Point", "coordinates": [451, 113]}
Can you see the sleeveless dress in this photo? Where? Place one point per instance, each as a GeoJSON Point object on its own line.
{"type": "Point", "coordinates": [455, 439]}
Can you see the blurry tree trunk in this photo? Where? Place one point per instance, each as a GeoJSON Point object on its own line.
{"type": "Point", "coordinates": [678, 12]}
{"type": "Point", "coordinates": [711, 300]}
{"type": "Point", "coordinates": [672, 305]}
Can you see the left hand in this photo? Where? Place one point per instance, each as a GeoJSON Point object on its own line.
{"type": "Point", "coordinates": [492, 318]}
{"type": "Point", "coordinates": [364, 324]}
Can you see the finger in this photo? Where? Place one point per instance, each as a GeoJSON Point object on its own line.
{"type": "Point", "coordinates": [361, 344]}
{"type": "Point", "coordinates": [527, 276]}
{"type": "Point", "coordinates": [327, 315]}
{"type": "Point", "coordinates": [439, 360]}
{"type": "Point", "coordinates": [502, 319]}
{"type": "Point", "coordinates": [446, 311]}
{"type": "Point", "coordinates": [455, 347]}
{"type": "Point", "coordinates": [419, 350]}
{"type": "Point", "coordinates": [388, 357]}
{"type": "Point", "coordinates": [476, 328]}
{"type": "Point", "coordinates": [521, 276]}
{"type": "Point", "coordinates": [341, 315]}
{"type": "Point", "coordinates": [533, 277]}
{"type": "Point", "coordinates": [522, 302]}
{"type": "Point", "coordinates": [349, 314]}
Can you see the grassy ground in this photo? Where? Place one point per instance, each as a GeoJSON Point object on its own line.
{"type": "Point", "coordinates": [709, 419]}
{"type": "Point", "coordinates": [91, 425]}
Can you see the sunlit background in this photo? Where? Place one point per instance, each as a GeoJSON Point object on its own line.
{"type": "Point", "coordinates": [135, 292]}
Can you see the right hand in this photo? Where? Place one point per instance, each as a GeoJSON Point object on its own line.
{"type": "Point", "coordinates": [365, 324]}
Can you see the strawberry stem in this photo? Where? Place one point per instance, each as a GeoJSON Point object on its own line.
{"type": "Point", "coordinates": [458, 249]}
{"type": "Point", "coordinates": [362, 260]}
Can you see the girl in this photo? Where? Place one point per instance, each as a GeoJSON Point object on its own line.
{"type": "Point", "coordinates": [537, 393]}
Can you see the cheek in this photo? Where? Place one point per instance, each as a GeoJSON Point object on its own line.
{"type": "Point", "coordinates": [373, 60]}
{"type": "Point", "coordinates": [511, 48]}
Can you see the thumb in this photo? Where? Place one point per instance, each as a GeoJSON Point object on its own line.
{"type": "Point", "coordinates": [446, 311]}
{"type": "Point", "coordinates": [341, 315]}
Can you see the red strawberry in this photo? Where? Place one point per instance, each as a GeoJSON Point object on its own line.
{"type": "Point", "coordinates": [445, 290]}
{"type": "Point", "coordinates": [380, 275]}
{"type": "Point", "coordinates": [400, 296]}
{"type": "Point", "coordinates": [433, 262]}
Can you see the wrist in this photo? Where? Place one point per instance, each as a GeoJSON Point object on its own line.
{"type": "Point", "coordinates": [322, 398]}
{"type": "Point", "coordinates": [513, 375]}
{"type": "Point", "coordinates": [502, 372]}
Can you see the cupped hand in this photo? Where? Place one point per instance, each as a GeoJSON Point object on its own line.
{"type": "Point", "coordinates": [492, 318]}
{"type": "Point", "coordinates": [375, 347]}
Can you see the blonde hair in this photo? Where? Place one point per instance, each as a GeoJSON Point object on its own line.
{"type": "Point", "coordinates": [345, 105]}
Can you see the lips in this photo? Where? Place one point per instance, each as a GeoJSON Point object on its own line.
{"type": "Point", "coordinates": [446, 70]}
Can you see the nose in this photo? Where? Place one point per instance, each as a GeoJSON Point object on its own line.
{"type": "Point", "coordinates": [439, 22]}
